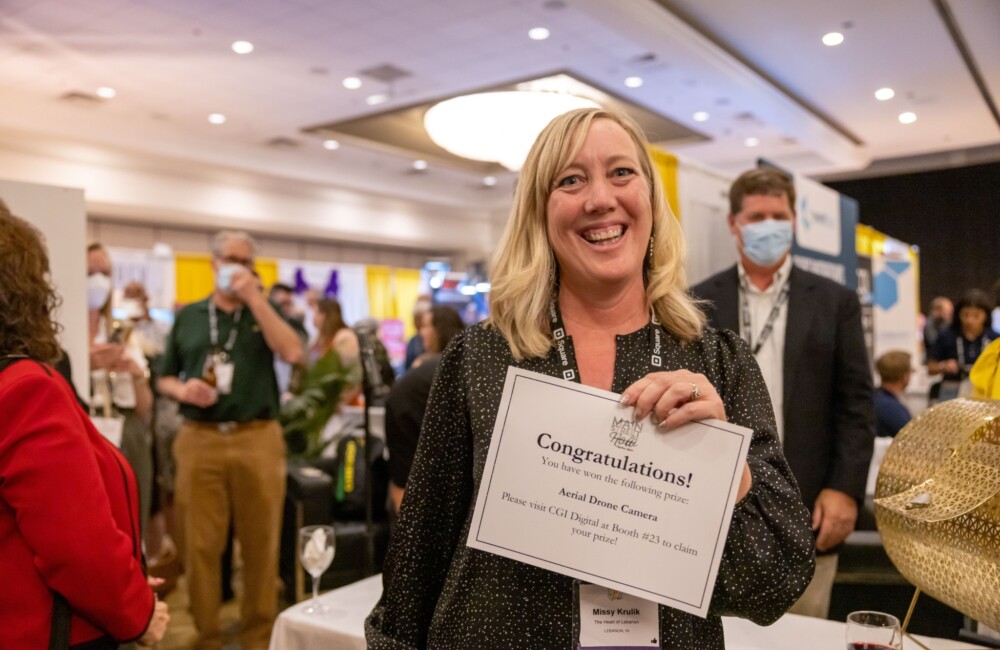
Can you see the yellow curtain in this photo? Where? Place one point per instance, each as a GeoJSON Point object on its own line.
{"type": "Point", "coordinates": [380, 303]}
{"type": "Point", "coordinates": [666, 165]}
{"type": "Point", "coordinates": [407, 291]}
{"type": "Point", "coordinates": [267, 269]}
{"type": "Point", "coordinates": [195, 279]}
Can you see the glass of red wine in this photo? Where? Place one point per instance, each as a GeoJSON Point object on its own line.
{"type": "Point", "coordinates": [873, 631]}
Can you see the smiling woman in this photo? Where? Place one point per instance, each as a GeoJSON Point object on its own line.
{"type": "Point", "coordinates": [588, 285]}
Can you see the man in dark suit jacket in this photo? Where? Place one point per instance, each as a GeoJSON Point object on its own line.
{"type": "Point", "coordinates": [806, 333]}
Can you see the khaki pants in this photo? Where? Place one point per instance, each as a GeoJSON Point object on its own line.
{"type": "Point", "coordinates": [222, 472]}
{"type": "Point", "coordinates": [815, 601]}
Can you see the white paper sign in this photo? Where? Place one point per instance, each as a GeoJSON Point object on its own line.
{"type": "Point", "coordinates": [111, 428]}
{"type": "Point", "coordinates": [572, 485]}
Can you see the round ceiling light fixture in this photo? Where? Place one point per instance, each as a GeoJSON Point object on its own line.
{"type": "Point", "coordinates": [497, 126]}
{"type": "Point", "coordinates": [833, 39]}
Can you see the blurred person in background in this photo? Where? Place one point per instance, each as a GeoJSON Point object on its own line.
{"type": "Point", "coordinates": [119, 376]}
{"type": "Point", "coordinates": [70, 546]}
{"type": "Point", "coordinates": [806, 336]}
{"type": "Point", "coordinates": [282, 298]}
{"type": "Point", "coordinates": [957, 348]}
{"type": "Point", "coordinates": [151, 336]}
{"type": "Point", "coordinates": [333, 333]}
{"type": "Point", "coordinates": [230, 451]}
{"type": "Point", "coordinates": [404, 408]}
{"type": "Point", "coordinates": [939, 318]}
{"type": "Point", "coordinates": [894, 369]}
{"type": "Point", "coordinates": [995, 314]}
{"type": "Point", "coordinates": [415, 346]}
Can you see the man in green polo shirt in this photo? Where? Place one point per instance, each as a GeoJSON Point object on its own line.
{"type": "Point", "coordinates": [230, 452]}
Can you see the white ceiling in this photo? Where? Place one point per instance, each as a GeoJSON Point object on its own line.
{"type": "Point", "coordinates": [757, 66]}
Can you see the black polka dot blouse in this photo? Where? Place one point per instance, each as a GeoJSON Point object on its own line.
{"type": "Point", "coordinates": [438, 593]}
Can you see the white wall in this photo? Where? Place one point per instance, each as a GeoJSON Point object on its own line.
{"type": "Point", "coordinates": [704, 205]}
{"type": "Point", "coordinates": [58, 212]}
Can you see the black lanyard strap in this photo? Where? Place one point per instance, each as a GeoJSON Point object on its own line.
{"type": "Point", "coordinates": [567, 357]}
{"type": "Point", "coordinates": [975, 349]}
{"type": "Point", "coordinates": [769, 323]}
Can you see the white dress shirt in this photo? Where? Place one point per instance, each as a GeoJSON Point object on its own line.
{"type": "Point", "coordinates": [771, 356]}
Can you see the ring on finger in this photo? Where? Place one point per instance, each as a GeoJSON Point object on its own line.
{"type": "Point", "coordinates": [695, 393]}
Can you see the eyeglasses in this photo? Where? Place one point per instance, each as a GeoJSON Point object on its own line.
{"type": "Point", "coordinates": [242, 261]}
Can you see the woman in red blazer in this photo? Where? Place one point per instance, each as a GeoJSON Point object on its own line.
{"type": "Point", "coordinates": [68, 500]}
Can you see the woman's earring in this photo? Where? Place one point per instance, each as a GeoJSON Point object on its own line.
{"type": "Point", "coordinates": [649, 257]}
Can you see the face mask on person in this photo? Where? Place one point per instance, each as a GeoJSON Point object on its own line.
{"type": "Point", "coordinates": [224, 277]}
{"type": "Point", "coordinates": [765, 242]}
{"type": "Point", "coordinates": [133, 309]}
{"type": "Point", "coordinates": [98, 290]}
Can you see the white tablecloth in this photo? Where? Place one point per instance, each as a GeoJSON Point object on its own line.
{"type": "Point", "coordinates": [342, 628]}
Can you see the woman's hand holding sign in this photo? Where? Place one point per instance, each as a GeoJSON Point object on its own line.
{"type": "Point", "coordinates": [675, 398]}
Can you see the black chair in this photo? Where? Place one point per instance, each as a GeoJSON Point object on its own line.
{"type": "Point", "coordinates": [362, 532]}
{"type": "Point", "coordinates": [310, 500]}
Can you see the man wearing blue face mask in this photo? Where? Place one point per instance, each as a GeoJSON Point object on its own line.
{"type": "Point", "coordinates": [805, 333]}
{"type": "Point", "coordinates": [230, 451]}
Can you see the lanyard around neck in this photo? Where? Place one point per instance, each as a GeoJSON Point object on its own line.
{"type": "Point", "coordinates": [769, 323]}
{"type": "Point", "coordinates": [567, 358]}
{"type": "Point", "coordinates": [973, 352]}
{"type": "Point", "coordinates": [213, 328]}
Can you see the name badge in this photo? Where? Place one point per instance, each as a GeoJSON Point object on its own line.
{"type": "Point", "coordinates": [224, 376]}
{"type": "Point", "coordinates": [612, 619]}
{"type": "Point", "coordinates": [111, 428]}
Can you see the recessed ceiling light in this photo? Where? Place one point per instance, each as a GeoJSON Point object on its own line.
{"type": "Point", "coordinates": [751, 142]}
{"type": "Point", "coordinates": [331, 145]}
{"type": "Point", "coordinates": [907, 117]}
{"type": "Point", "coordinates": [352, 83]}
{"type": "Point", "coordinates": [538, 34]}
{"type": "Point", "coordinates": [883, 94]}
{"type": "Point", "coordinates": [489, 181]}
{"type": "Point", "coordinates": [375, 100]}
{"type": "Point", "coordinates": [106, 92]}
{"type": "Point", "coordinates": [700, 116]}
{"type": "Point", "coordinates": [242, 47]}
{"type": "Point", "coordinates": [633, 82]}
{"type": "Point", "coordinates": [420, 165]}
{"type": "Point", "coordinates": [217, 118]}
{"type": "Point", "coordinates": [833, 38]}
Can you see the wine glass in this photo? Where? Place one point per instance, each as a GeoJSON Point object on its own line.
{"type": "Point", "coordinates": [316, 546]}
{"type": "Point", "coordinates": [873, 631]}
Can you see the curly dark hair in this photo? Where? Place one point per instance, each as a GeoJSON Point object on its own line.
{"type": "Point", "coordinates": [27, 297]}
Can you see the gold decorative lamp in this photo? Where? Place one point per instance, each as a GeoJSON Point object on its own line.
{"type": "Point", "coordinates": [937, 506]}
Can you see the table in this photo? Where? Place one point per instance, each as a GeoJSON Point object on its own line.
{"type": "Point", "coordinates": [343, 627]}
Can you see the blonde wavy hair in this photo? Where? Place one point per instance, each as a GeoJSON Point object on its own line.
{"type": "Point", "coordinates": [524, 269]}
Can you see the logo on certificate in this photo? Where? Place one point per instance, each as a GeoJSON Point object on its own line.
{"type": "Point", "coordinates": [625, 433]}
